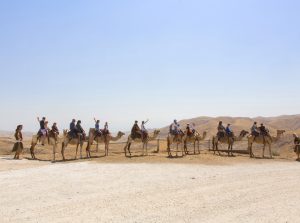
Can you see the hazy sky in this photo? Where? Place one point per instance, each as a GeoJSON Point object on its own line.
{"type": "Point", "coordinates": [156, 59]}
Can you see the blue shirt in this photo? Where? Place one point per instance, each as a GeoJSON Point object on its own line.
{"type": "Point", "coordinates": [228, 130]}
{"type": "Point", "coordinates": [97, 126]}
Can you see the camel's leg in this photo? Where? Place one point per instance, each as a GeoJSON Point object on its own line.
{"type": "Point", "coordinates": [64, 145]}
{"type": "Point", "coordinates": [54, 151]}
{"type": "Point", "coordinates": [87, 150]}
{"type": "Point", "coordinates": [125, 148]}
{"type": "Point", "coordinates": [146, 148]}
{"type": "Point", "coordinates": [217, 148]}
{"type": "Point", "coordinates": [194, 147]}
{"type": "Point", "coordinates": [32, 151]}
{"type": "Point", "coordinates": [81, 150]}
{"type": "Point", "coordinates": [176, 149]}
{"type": "Point", "coordinates": [97, 147]}
{"type": "Point", "coordinates": [129, 145]}
{"type": "Point", "coordinates": [168, 148]}
{"type": "Point", "coordinates": [182, 151]}
{"type": "Point", "coordinates": [270, 150]}
{"type": "Point", "coordinates": [263, 154]}
{"type": "Point", "coordinates": [76, 151]}
{"type": "Point", "coordinates": [185, 147]}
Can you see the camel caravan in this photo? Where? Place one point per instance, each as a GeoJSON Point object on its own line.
{"type": "Point", "coordinates": [177, 139]}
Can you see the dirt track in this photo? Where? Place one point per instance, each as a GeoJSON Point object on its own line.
{"type": "Point", "coordinates": [93, 192]}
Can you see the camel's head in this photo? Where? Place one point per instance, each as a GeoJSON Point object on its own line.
{"type": "Point", "coordinates": [295, 135]}
{"type": "Point", "coordinates": [65, 132]}
{"type": "Point", "coordinates": [156, 131]}
{"type": "Point", "coordinates": [244, 133]}
{"type": "Point", "coordinates": [280, 132]}
{"type": "Point", "coordinates": [120, 134]}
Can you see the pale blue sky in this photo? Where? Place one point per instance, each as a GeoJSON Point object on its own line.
{"type": "Point", "coordinates": [156, 59]}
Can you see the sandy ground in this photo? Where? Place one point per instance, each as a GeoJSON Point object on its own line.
{"type": "Point", "coordinates": [87, 191]}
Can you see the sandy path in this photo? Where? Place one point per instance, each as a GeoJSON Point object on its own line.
{"type": "Point", "coordinates": [92, 192]}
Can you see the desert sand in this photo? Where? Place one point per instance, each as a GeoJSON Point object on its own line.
{"type": "Point", "coordinates": [88, 191]}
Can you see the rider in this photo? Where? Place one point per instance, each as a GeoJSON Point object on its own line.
{"type": "Point", "coordinates": [106, 130]}
{"type": "Point", "coordinates": [296, 142]}
{"type": "Point", "coordinates": [255, 130]}
{"type": "Point", "coordinates": [228, 130]}
{"type": "Point", "coordinates": [55, 130]}
{"type": "Point", "coordinates": [136, 131]}
{"type": "Point", "coordinates": [80, 131]}
{"type": "Point", "coordinates": [143, 129]}
{"type": "Point", "coordinates": [221, 130]}
{"type": "Point", "coordinates": [193, 128]}
{"type": "Point", "coordinates": [97, 127]}
{"type": "Point", "coordinates": [73, 130]}
{"type": "Point", "coordinates": [188, 130]}
{"type": "Point", "coordinates": [263, 130]}
{"type": "Point", "coordinates": [175, 128]}
{"type": "Point", "coordinates": [43, 129]}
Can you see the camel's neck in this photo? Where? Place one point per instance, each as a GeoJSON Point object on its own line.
{"type": "Point", "coordinates": [276, 138]}
{"type": "Point", "coordinates": [115, 138]}
{"type": "Point", "coordinates": [239, 138]}
{"type": "Point", "coordinates": [154, 136]}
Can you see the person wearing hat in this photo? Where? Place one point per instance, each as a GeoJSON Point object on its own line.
{"type": "Point", "coordinates": [221, 130]}
{"type": "Point", "coordinates": [254, 130]}
{"type": "Point", "coordinates": [18, 146]}
{"type": "Point", "coordinates": [136, 131]}
{"type": "Point", "coordinates": [297, 144]}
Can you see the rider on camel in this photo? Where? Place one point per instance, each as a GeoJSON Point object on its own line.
{"type": "Point", "coordinates": [136, 131]}
{"type": "Point", "coordinates": [43, 131]}
{"type": "Point", "coordinates": [228, 130]}
{"type": "Point", "coordinates": [255, 130]}
{"type": "Point", "coordinates": [80, 131]}
{"type": "Point", "coordinates": [106, 130]}
{"type": "Point", "coordinates": [221, 130]}
{"type": "Point", "coordinates": [144, 130]}
{"type": "Point", "coordinates": [97, 127]}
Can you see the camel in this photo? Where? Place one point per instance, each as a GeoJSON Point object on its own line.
{"type": "Point", "coordinates": [52, 140]}
{"type": "Point", "coordinates": [266, 140]}
{"type": "Point", "coordinates": [297, 146]}
{"type": "Point", "coordinates": [145, 141]}
{"type": "Point", "coordinates": [227, 140]}
{"type": "Point", "coordinates": [101, 139]}
{"type": "Point", "coordinates": [178, 139]}
{"type": "Point", "coordinates": [74, 141]}
{"type": "Point", "coordinates": [193, 139]}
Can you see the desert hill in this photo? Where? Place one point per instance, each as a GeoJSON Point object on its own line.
{"type": "Point", "coordinates": [290, 123]}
